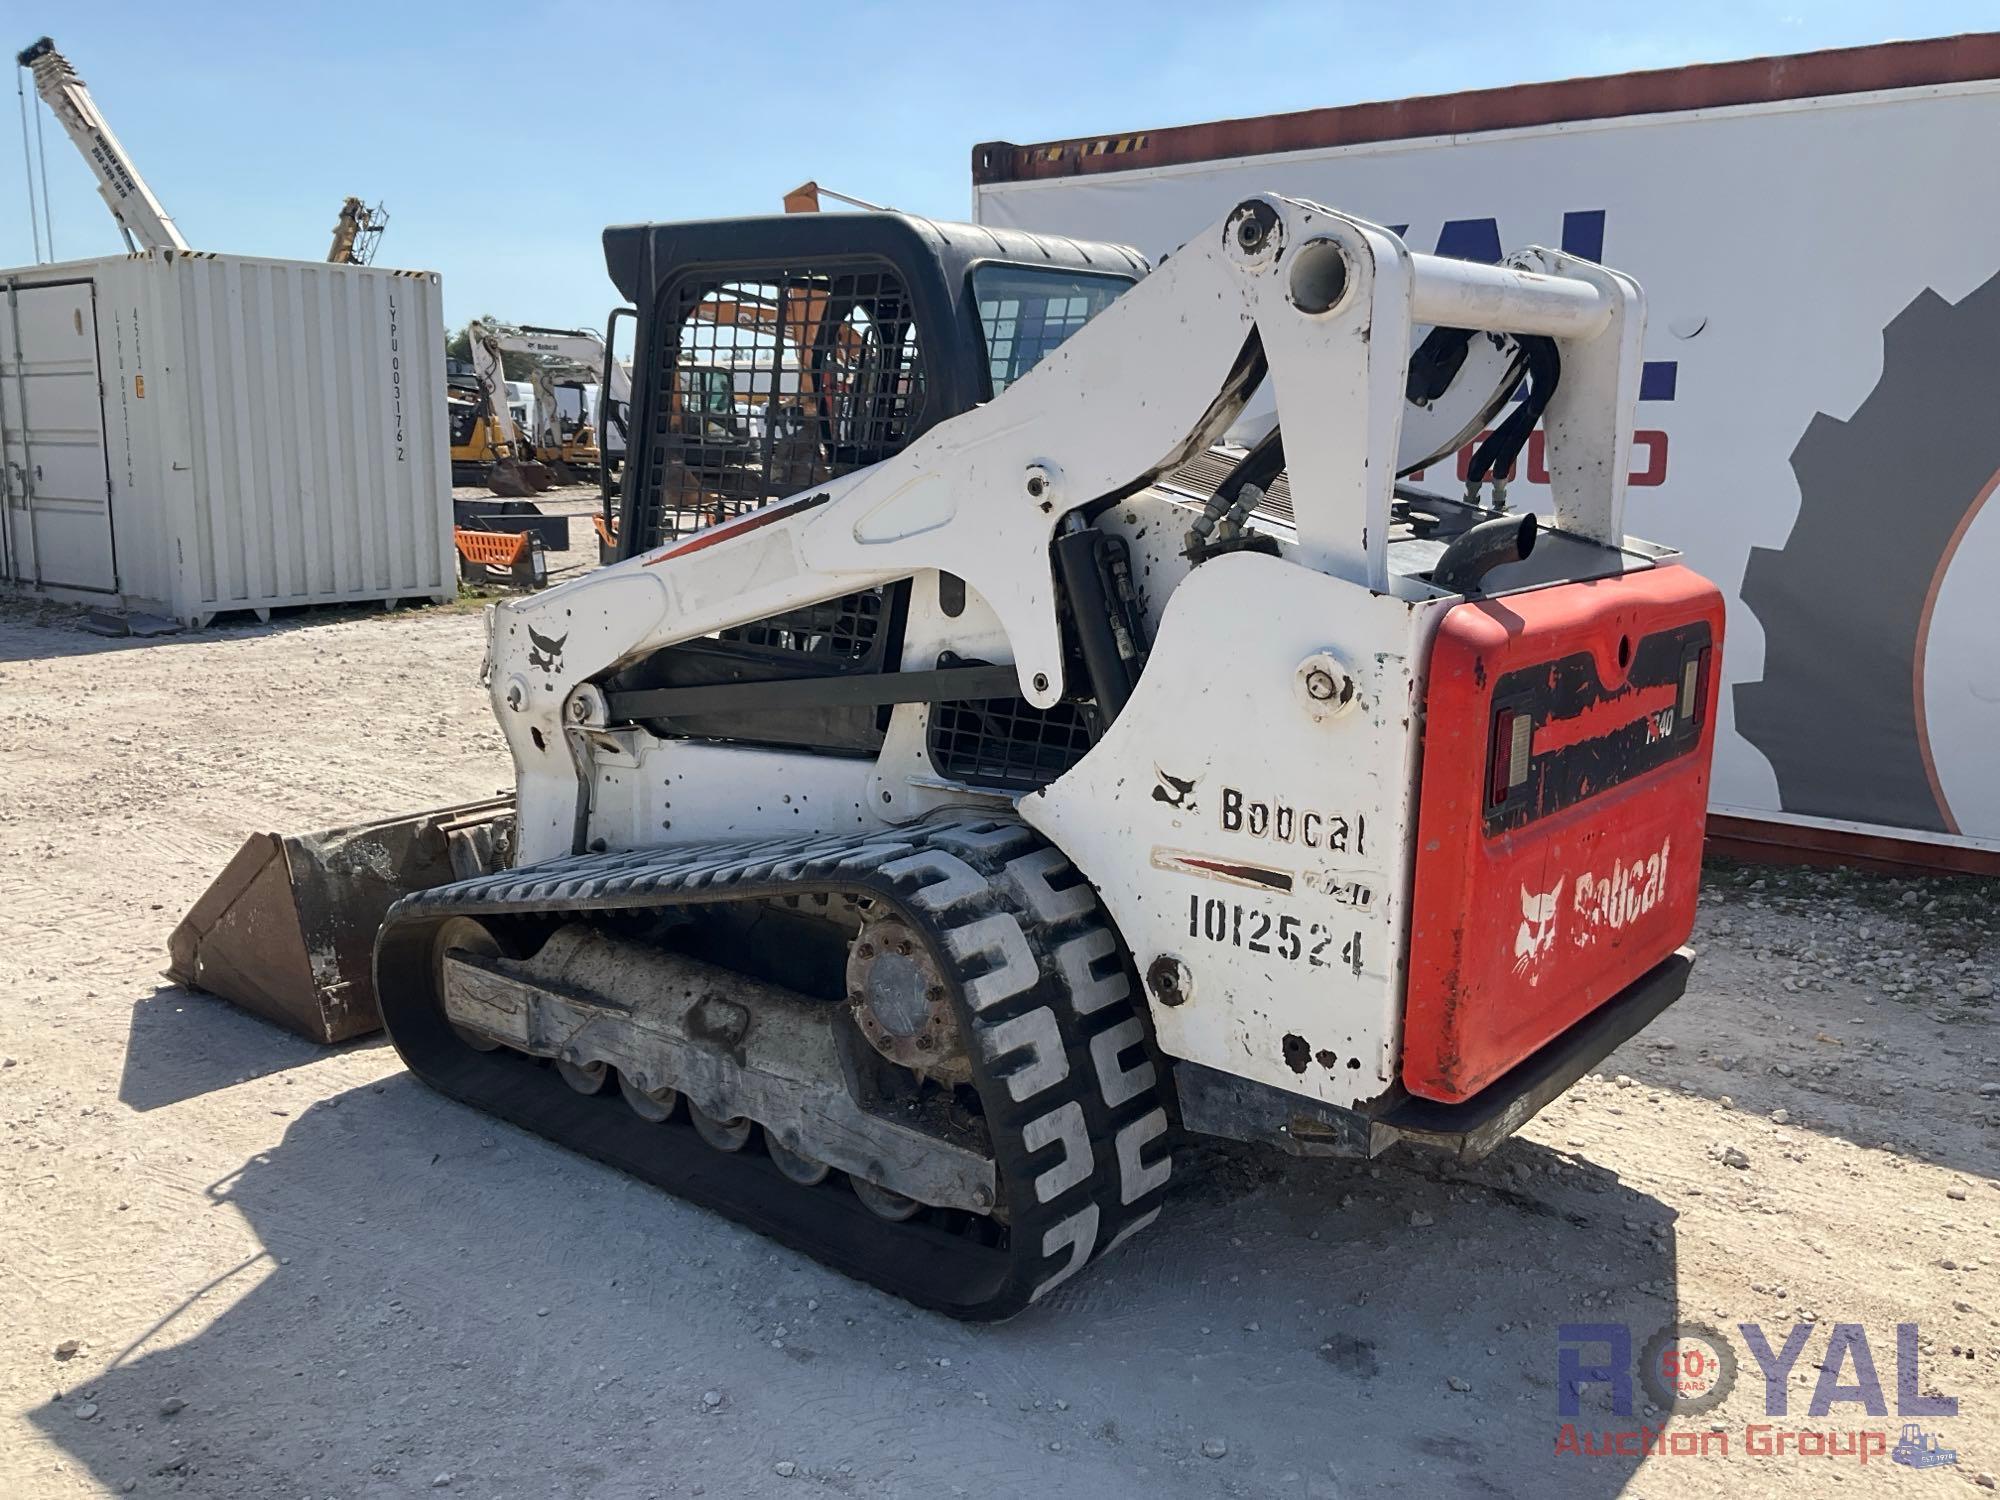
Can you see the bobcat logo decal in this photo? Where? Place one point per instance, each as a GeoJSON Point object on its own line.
{"type": "Point", "coordinates": [1537, 934]}
{"type": "Point", "coordinates": [545, 652]}
{"type": "Point", "coordinates": [1175, 792]}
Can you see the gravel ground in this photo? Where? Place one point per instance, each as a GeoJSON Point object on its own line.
{"type": "Point", "coordinates": [237, 1265]}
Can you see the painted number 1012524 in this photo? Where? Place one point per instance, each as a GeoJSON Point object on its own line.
{"type": "Point", "coordinates": [1293, 939]}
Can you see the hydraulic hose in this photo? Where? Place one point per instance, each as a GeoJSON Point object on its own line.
{"type": "Point", "coordinates": [1497, 454]}
{"type": "Point", "coordinates": [1241, 488]}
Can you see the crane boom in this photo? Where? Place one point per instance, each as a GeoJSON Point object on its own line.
{"type": "Point", "coordinates": [145, 224]}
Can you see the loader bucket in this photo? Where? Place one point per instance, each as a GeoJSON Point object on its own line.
{"type": "Point", "coordinates": [287, 930]}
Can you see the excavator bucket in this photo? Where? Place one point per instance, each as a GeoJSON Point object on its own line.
{"type": "Point", "coordinates": [287, 930]}
{"type": "Point", "coordinates": [506, 480]}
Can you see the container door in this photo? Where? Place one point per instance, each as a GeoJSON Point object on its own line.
{"type": "Point", "coordinates": [57, 487]}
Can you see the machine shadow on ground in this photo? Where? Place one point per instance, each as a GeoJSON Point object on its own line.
{"type": "Point", "coordinates": [184, 1044]}
{"type": "Point", "coordinates": [1341, 1329]}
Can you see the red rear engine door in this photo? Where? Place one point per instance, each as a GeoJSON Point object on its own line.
{"type": "Point", "coordinates": [1567, 737]}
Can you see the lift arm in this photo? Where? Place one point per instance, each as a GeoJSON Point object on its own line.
{"type": "Point", "coordinates": [145, 225]}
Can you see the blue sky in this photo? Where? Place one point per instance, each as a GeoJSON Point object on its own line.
{"type": "Point", "coordinates": [503, 136]}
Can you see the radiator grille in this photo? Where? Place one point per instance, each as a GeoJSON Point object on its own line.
{"type": "Point", "coordinates": [1201, 475]}
{"type": "Point", "coordinates": [1008, 742]}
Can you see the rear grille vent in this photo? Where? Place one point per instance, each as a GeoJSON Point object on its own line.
{"type": "Point", "coordinates": [1008, 742]}
{"type": "Point", "coordinates": [1201, 475]}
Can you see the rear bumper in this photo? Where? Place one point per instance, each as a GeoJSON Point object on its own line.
{"type": "Point", "coordinates": [1214, 1103]}
{"type": "Point", "coordinates": [1474, 1127]}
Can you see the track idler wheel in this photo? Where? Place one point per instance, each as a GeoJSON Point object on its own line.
{"type": "Point", "coordinates": [467, 936]}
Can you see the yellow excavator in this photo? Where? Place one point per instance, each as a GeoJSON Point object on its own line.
{"type": "Point", "coordinates": [487, 445]}
{"type": "Point", "coordinates": [480, 453]}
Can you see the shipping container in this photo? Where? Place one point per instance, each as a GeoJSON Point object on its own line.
{"type": "Point", "coordinates": [1819, 422]}
{"type": "Point", "coordinates": [189, 434]}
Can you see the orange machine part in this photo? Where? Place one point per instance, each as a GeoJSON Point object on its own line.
{"type": "Point", "coordinates": [493, 549]}
{"type": "Point", "coordinates": [1556, 868]}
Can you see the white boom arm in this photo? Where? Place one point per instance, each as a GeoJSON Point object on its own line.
{"type": "Point", "coordinates": [484, 341]}
{"type": "Point", "coordinates": [145, 225]}
{"type": "Point", "coordinates": [579, 349]}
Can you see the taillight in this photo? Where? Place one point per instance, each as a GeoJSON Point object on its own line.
{"type": "Point", "coordinates": [1513, 738]}
{"type": "Point", "coordinates": [1694, 683]}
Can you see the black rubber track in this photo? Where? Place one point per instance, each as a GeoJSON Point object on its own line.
{"type": "Point", "coordinates": [1041, 989]}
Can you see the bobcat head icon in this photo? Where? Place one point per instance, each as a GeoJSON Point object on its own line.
{"type": "Point", "coordinates": [1537, 934]}
{"type": "Point", "coordinates": [545, 651]}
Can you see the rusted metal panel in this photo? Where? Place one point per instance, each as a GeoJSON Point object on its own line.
{"type": "Point", "coordinates": [1782, 842]}
{"type": "Point", "coordinates": [734, 1045]}
{"type": "Point", "coordinates": [1761, 80]}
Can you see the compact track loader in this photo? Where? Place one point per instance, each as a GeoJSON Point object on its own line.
{"type": "Point", "coordinates": [984, 771]}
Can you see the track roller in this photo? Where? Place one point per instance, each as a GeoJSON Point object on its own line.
{"type": "Point", "coordinates": [656, 1106]}
{"type": "Point", "coordinates": [732, 1134]}
{"type": "Point", "coordinates": [586, 1078]}
{"type": "Point", "coordinates": [802, 1169]}
{"type": "Point", "coordinates": [883, 1203]}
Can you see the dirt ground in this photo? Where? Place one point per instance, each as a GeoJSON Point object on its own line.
{"type": "Point", "coordinates": [237, 1265]}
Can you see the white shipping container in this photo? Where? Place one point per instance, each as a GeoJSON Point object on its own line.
{"type": "Point", "coordinates": [190, 433]}
{"type": "Point", "coordinates": [1819, 423]}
